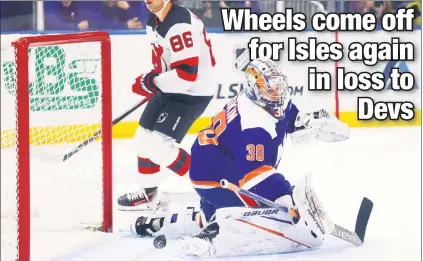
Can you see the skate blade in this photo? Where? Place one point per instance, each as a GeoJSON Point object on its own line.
{"type": "Point", "coordinates": [143, 207]}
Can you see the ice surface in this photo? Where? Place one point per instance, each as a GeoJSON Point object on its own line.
{"type": "Point", "coordinates": [383, 164]}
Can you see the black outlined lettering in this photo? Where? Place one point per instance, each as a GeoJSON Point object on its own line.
{"type": "Point", "coordinates": [314, 51]}
{"type": "Point", "coordinates": [232, 19]}
{"type": "Point", "coordinates": [318, 81]}
{"type": "Point", "coordinates": [242, 19]}
{"type": "Point", "coordinates": [289, 22]}
{"type": "Point", "coordinates": [343, 22]}
{"type": "Point", "coordinates": [369, 53]}
{"type": "Point", "coordinates": [299, 21]}
{"type": "Point", "coordinates": [372, 52]}
{"type": "Point", "coordinates": [401, 81]}
{"type": "Point", "coordinates": [402, 20]}
{"type": "Point", "coordinates": [367, 109]}
{"type": "Point", "coordinates": [265, 23]}
{"type": "Point", "coordinates": [364, 81]}
{"type": "Point", "coordinates": [408, 112]}
{"type": "Point", "coordinates": [264, 50]}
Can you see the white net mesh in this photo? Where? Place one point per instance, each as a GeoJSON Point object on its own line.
{"type": "Point", "coordinates": [65, 109]}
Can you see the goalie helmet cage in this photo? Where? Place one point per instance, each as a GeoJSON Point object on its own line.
{"type": "Point", "coordinates": [21, 47]}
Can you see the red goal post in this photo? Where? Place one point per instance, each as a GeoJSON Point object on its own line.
{"type": "Point", "coordinates": [21, 47]}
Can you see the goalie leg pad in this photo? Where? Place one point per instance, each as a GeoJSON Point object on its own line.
{"type": "Point", "coordinates": [273, 232]}
{"type": "Point", "coordinates": [245, 231]}
{"type": "Point", "coordinates": [176, 224]}
{"type": "Point", "coordinates": [312, 213]}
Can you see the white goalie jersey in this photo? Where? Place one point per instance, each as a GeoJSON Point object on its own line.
{"type": "Point", "coordinates": [181, 53]}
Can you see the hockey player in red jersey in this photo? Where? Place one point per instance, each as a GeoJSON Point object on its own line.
{"type": "Point", "coordinates": [178, 88]}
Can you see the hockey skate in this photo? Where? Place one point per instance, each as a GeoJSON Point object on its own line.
{"type": "Point", "coordinates": [142, 199]}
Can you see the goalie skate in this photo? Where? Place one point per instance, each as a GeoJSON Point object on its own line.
{"type": "Point", "coordinates": [201, 245]}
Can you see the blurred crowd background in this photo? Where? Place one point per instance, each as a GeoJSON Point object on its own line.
{"type": "Point", "coordinates": [132, 15]}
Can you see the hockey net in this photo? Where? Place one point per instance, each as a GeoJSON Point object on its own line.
{"type": "Point", "coordinates": [55, 93]}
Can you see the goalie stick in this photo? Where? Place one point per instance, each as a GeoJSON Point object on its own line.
{"type": "Point", "coordinates": [356, 237]}
{"type": "Point", "coordinates": [98, 133]}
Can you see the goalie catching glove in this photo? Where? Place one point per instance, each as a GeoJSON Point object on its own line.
{"type": "Point", "coordinates": [321, 125]}
{"type": "Point", "coordinates": [144, 85]}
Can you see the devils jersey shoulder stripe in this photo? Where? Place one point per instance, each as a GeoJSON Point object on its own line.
{"type": "Point", "coordinates": [176, 15]}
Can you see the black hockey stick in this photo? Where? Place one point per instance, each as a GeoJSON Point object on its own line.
{"type": "Point", "coordinates": [363, 216]}
{"type": "Point", "coordinates": [356, 237]}
{"type": "Point", "coordinates": [98, 133]}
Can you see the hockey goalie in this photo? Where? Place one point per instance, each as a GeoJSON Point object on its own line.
{"type": "Point", "coordinates": [243, 146]}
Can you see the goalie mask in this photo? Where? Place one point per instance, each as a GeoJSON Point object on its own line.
{"type": "Point", "coordinates": [267, 86]}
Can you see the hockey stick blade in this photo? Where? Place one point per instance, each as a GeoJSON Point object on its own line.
{"type": "Point", "coordinates": [346, 235]}
{"type": "Point", "coordinates": [363, 218]}
{"type": "Point", "coordinates": [98, 133]}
